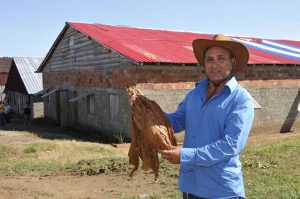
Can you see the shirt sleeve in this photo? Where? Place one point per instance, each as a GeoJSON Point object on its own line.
{"type": "Point", "coordinates": [177, 119]}
{"type": "Point", "coordinates": [237, 127]}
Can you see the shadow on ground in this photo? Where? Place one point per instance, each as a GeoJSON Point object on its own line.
{"type": "Point", "coordinates": [46, 130]}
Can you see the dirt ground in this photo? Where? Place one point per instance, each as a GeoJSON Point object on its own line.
{"type": "Point", "coordinates": [100, 186]}
{"type": "Point", "coordinates": [112, 185]}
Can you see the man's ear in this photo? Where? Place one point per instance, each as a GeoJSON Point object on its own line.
{"type": "Point", "coordinates": [233, 61]}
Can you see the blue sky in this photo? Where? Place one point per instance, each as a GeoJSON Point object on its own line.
{"type": "Point", "coordinates": [29, 27]}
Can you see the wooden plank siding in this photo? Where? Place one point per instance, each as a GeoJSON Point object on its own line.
{"type": "Point", "coordinates": [85, 54]}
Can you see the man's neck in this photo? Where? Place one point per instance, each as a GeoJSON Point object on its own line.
{"type": "Point", "coordinates": [218, 88]}
{"type": "Point", "coordinates": [212, 89]}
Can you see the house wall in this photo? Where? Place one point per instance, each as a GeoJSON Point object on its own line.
{"type": "Point", "coordinates": [76, 115]}
{"type": "Point", "coordinates": [50, 107]}
{"type": "Point", "coordinates": [279, 110]}
{"type": "Point", "coordinates": [18, 101]}
{"type": "Point", "coordinates": [80, 65]}
{"type": "Point", "coordinates": [111, 111]}
{"type": "Point", "coordinates": [278, 97]}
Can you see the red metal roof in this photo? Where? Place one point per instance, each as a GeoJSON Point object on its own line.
{"type": "Point", "coordinates": [147, 45]}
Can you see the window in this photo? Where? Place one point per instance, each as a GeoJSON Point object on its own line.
{"type": "Point", "coordinates": [91, 104]}
{"type": "Point", "coordinates": [113, 107]}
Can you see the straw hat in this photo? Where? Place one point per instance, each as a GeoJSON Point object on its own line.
{"type": "Point", "coordinates": [238, 50]}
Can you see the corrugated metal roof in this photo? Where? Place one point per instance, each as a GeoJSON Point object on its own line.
{"type": "Point", "coordinates": [174, 47]}
{"type": "Point", "coordinates": [27, 67]}
{"type": "Point", "coordinates": [147, 45]}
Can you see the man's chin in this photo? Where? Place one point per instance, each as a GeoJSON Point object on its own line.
{"type": "Point", "coordinates": [215, 80]}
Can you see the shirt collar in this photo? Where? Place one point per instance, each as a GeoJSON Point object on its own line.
{"type": "Point", "coordinates": [231, 84]}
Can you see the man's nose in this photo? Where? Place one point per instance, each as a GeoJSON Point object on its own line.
{"type": "Point", "coordinates": [215, 63]}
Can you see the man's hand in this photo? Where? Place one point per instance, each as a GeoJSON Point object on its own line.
{"type": "Point", "coordinates": [173, 156]}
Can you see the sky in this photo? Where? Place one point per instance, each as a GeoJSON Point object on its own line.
{"type": "Point", "coordinates": [30, 27]}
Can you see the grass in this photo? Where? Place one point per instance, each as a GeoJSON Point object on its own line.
{"type": "Point", "coordinates": [44, 156]}
{"type": "Point", "coordinates": [273, 171]}
{"type": "Point", "coordinates": [270, 171]}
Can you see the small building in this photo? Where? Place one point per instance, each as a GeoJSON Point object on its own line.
{"type": "Point", "coordinates": [5, 63]}
{"type": "Point", "coordinates": [89, 66]}
{"type": "Point", "coordinates": [24, 86]}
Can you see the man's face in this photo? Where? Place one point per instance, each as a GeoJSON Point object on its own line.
{"type": "Point", "coordinates": [218, 63]}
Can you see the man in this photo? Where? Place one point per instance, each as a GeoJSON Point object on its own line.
{"type": "Point", "coordinates": [7, 109]}
{"type": "Point", "coordinates": [2, 115]}
{"type": "Point", "coordinates": [27, 114]}
{"type": "Point", "coordinates": [217, 116]}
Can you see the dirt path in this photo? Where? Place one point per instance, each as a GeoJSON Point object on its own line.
{"type": "Point", "coordinates": [112, 185]}
{"type": "Point", "coordinates": [100, 186]}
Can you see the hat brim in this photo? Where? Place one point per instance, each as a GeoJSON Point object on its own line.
{"type": "Point", "coordinates": [238, 50]}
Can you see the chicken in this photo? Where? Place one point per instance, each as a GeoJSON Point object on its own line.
{"type": "Point", "coordinates": [151, 130]}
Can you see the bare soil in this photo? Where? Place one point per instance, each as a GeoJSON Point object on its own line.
{"type": "Point", "coordinates": [111, 185]}
{"type": "Point", "coordinates": [100, 186]}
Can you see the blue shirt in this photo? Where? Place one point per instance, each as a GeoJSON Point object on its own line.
{"type": "Point", "coordinates": [215, 133]}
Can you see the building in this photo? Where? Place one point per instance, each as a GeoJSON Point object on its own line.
{"type": "Point", "coordinates": [5, 63]}
{"type": "Point", "coordinates": [89, 66]}
{"type": "Point", "coordinates": [23, 85]}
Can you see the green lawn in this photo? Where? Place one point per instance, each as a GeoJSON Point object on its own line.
{"type": "Point", "coordinates": [273, 171]}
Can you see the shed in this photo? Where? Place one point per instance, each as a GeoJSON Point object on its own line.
{"type": "Point", "coordinates": [5, 63]}
{"type": "Point", "coordinates": [24, 85]}
{"type": "Point", "coordinates": [89, 66]}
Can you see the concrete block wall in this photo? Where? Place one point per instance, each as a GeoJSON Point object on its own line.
{"type": "Point", "coordinates": [274, 87]}
{"type": "Point", "coordinates": [279, 111]}
{"type": "Point", "coordinates": [101, 118]}
{"type": "Point", "coordinates": [168, 100]}
{"type": "Point", "coordinates": [76, 115]}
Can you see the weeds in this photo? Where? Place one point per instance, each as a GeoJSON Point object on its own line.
{"type": "Point", "coordinates": [98, 166]}
{"type": "Point", "coordinates": [119, 138]}
{"type": "Point", "coordinates": [30, 149]}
